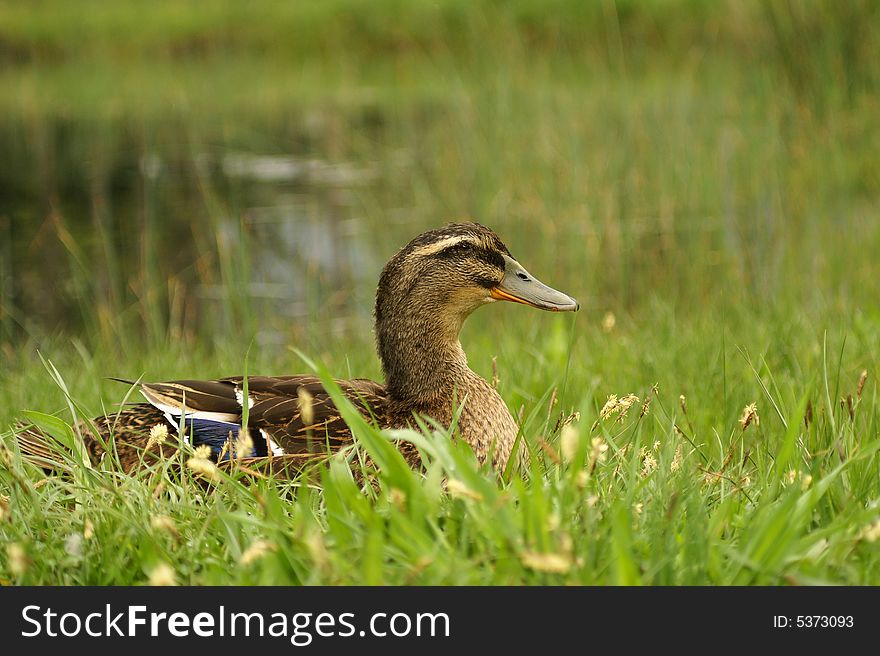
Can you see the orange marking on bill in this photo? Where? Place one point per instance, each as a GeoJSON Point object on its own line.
{"type": "Point", "coordinates": [504, 296]}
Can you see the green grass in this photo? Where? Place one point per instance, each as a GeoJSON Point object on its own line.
{"type": "Point", "coordinates": [704, 172]}
{"type": "Point", "coordinates": [793, 501]}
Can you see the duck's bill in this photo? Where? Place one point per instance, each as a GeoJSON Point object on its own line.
{"type": "Point", "coordinates": [520, 286]}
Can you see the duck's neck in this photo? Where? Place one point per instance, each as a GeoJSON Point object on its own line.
{"type": "Point", "coordinates": [421, 356]}
{"type": "Point", "coordinates": [426, 371]}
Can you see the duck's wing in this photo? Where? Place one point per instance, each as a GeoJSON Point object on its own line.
{"type": "Point", "coordinates": [286, 414]}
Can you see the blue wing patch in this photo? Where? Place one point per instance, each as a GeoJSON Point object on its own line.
{"type": "Point", "coordinates": [216, 434]}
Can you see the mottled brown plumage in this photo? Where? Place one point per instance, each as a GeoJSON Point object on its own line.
{"type": "Point", "coordinates": [425, 293]}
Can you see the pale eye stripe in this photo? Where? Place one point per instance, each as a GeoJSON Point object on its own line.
{"type": "Point", "coordinates": [437, 246]}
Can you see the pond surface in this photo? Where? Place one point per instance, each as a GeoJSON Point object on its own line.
{"type": "Point", "coordinates": [95, 229]}
{"type": "Point", "coordinates": [272, 220]}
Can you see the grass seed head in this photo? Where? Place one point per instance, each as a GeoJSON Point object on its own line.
{"type": "Point", "coordinates": [314, 542]}
{"type": "Point", "coordinates": [204, 467]}
{"type": "Point", "coordinates": [566, 543]}
{"type": "Point", "coordinates": [244, 445]}
{"type": "Point", "coordinates": [73, 545]}
{"type": "Point", "coordinates": [569, 442]}
{"type": "Point", "coordinates": [459, 490]}
{"type": "Point", "coordinates": [619, 406]}
{"type": "Point", "coordinates": [550, 563]}
{"type": "Point", "coordinates": [162, 575]}
{"type": "Point", "coordinates": [862, 380]}
{"type": "Point", "coordinates": [17, 558]}
{"type": "Point", "coordinates": [256, 550]}
{"type": "Point", "coordinates": [749, 416]}
{"type": "Point", "coordinates": [675, 465]}
{"type": "Point", "coordinates": [711, 478]}
{"type": "Point", "coordinates": [626, 403]}
{"type": "Point", "coordinates": [608, 322]}
{"type": "Point", "coordinates": [598, 450]}
{"type": "Point", "coordinates": [871, 532]}
{"type": "Point", "coordinates": [164, 523]}
{"type": "Point", "coordinates": [609, 407]}
{"type": "Point", "coordinates": [397, 497]}
{"type": "Point", "coordinates": [158, 436]}
{"type": "Point", "coordinates": [306, 406]}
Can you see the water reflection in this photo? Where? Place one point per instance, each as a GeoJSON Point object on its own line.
{"type": "Point", "coordinates": [311, 256]}
{"type": "Point", "coordinates": [278, 236]}
{"type": "Point", "coordinates": [280, 168]}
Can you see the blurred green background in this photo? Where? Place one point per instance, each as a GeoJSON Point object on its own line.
{"type": "Point", "coordinates": [189, 189]}
{"type": "Point", "coordinates": [180, 176]}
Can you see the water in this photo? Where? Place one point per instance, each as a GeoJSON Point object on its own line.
{"type": "Point", "coordinates": [197, 234]}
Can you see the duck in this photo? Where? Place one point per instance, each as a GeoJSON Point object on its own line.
{"type": "Point", "coordinates": [425, 293]}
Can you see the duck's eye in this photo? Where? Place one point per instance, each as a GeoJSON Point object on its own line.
{"type": "Point", "coordinates": [522, 276]}
{"type": "Point", "coordinates": [488, 283]}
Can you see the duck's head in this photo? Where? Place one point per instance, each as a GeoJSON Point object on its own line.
{"type": "Point", "coordinates": [433, 283]}
{"type": "Point", "coordinates": [455, 269]}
